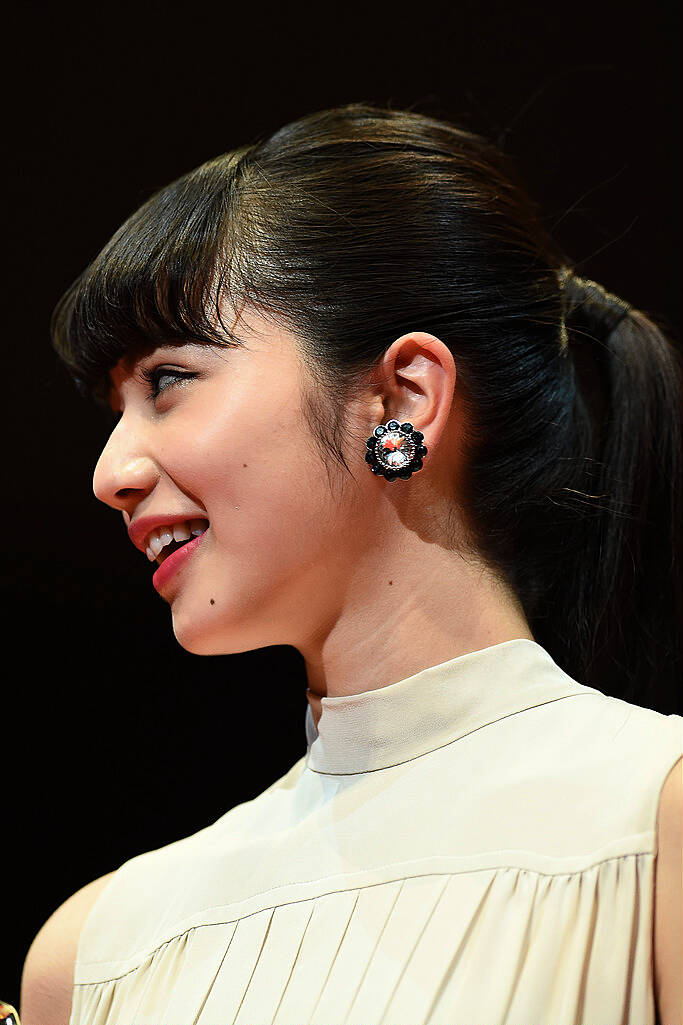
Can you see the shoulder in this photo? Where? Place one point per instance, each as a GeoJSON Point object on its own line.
{"type": "Point", "coordinates": [624, 751]}
{"type": "Point", "coordinates": [591, 767]}
{"type": "Point", "coordinates": [668, 924]}
{"type": "Point", "coordinates": [47, 979]}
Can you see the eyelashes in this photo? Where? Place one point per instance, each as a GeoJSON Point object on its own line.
{"type": "Point", "coordinates": [153, 377]}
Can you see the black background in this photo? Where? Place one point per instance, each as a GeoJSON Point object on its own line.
{"type": "Point", "coordinates": [116, 740]}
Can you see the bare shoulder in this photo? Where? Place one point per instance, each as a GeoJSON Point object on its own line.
{"type": "Point", "coordinates": [47, 979]}
{"type": "Point", "coordinates": [668, 916]}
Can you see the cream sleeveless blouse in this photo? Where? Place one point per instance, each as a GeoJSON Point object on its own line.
{"type": "Point", "coordinates": [474, 845]}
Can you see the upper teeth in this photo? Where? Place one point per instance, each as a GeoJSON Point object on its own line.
{"type": "Point", "coordinates": [158, 539]}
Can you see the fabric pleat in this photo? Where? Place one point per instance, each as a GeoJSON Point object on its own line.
{"type": "Point", "coordinates": [410, 951]}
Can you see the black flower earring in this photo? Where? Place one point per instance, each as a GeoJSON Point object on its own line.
{"type": "Point", "coordinates": [395, 450]}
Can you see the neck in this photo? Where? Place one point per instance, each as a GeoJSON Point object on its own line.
{"type": "Point", "coordinates": [404, 612]}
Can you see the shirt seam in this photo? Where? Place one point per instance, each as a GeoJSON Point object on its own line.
{"type": "Point", "coordinates": [298, 900]}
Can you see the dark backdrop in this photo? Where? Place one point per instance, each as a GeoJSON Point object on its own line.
{"type": "Point", "coordinates": [116, 740]}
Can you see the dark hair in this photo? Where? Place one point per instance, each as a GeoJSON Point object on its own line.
{"type": "Point", "coordinates": [354, 225]}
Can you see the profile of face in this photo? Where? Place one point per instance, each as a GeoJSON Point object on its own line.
{"type": "Point", "coordinates": [225, 444]}
{"type": "Point", "coordinates": [229, 444]}
{"type": "Point", "coordinates": [293, 543]}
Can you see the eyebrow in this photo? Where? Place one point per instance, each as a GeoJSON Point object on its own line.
{"type": "Point", "coordinates": [130, 362]}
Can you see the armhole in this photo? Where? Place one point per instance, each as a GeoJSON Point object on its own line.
{"type": "Point", "coordinates": [673, 752]}
{"type": "Point", "coordinates": [98, 887]}
{"type": "Point", "coordinates": [677, 754]}
{"type": "Point", "coordinates": [48, 975]}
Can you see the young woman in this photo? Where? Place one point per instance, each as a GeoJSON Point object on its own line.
{"type": "Point", "coordinates": [366, 408]}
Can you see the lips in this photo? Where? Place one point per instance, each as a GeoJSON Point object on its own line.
{"type": "Point", "coordinates": [175, 562]}
{"type": "Point", "coordinates": [139, 529]}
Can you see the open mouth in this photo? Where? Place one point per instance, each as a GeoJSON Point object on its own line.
{"type": "Point", "coordinates": [170, 549]}
{"type": "Point", "coordinates": [166, 541]}
{"type": "Point", "coordinates": [176, 559]}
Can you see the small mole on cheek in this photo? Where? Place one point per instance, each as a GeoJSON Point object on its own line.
{"type": "Point", "coordinates": [212, 602]}
{"type": "Point", "coordinates": [244, 464]}
{"type": "Point", "coordinates": [390, 583]}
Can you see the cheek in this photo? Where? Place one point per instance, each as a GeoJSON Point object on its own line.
{"type": "Point", "coordinates": [267, 501]}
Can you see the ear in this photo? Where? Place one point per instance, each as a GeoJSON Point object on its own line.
{"type": "Point", "coordinates": [415, 381]}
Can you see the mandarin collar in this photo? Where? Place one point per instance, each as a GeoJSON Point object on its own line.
{"type": "Point", "coordinates": [379, 728]}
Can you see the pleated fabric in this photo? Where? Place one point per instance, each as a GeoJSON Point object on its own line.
{"type": "Point", "coordinates": [474, 845]}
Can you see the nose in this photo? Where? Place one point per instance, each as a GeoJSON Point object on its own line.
{"type": "Point", "coordinates": [125, 472]}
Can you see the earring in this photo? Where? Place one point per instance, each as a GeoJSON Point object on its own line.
{"type": "Point", "coordinates": [395, 450]}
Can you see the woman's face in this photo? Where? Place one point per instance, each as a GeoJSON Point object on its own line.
{"type": "Point", "coordinates": [231, 445]}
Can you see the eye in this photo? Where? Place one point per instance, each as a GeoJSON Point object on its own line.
{"type": "Point", "coordinates": [154, 377]}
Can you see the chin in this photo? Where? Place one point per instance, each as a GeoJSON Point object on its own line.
{"type": "Point", "coordinates": [197, 634]}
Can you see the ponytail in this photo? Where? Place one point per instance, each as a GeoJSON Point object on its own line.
{"type": "Point", "coordinates": [627, 595]}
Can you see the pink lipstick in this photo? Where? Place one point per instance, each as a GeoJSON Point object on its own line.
{"type": "Point", "coordinates": [173, 562]}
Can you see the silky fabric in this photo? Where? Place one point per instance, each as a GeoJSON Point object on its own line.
{"type": "Point", "coordinates": [473, 845]}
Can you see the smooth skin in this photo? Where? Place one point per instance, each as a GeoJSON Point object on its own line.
{"type": "Point", "coordinates": [360, 575]}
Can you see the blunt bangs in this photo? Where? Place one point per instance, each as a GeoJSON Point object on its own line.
{"type": "Point", "coordinates": [158, 281]}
